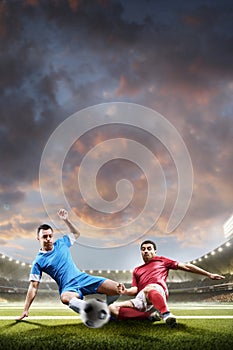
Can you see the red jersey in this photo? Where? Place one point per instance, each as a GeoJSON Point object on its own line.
{"type": "Point", "coordinates": [154, 271]}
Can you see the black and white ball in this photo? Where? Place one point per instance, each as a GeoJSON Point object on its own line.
{"type": "Point", "coordinates": [95, 314]}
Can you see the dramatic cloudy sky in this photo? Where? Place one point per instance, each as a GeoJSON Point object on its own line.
{"type": "Point", "coordinates": [60, 57]}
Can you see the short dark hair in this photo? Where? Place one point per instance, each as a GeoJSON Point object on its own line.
{"type": "Point", "coordinates": [43, 227]}
{"type": "Point", "coordinates": [148, 242]}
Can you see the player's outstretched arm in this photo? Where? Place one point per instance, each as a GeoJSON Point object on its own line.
{"type": "Point", "coordinates": [215, 276]}
{"type": "Point", "coordinates": [195, 269]}
{"type": "Point", "coordinates": [31, 294]}
{"type": "Point", "coordinates": [63, 214]}
{"type": "Point", "coordinates": [129, 291]}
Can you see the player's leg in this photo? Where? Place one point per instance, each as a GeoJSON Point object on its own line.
{"type": "Point", "coordinates": [125, 310]}
{"type": "Point", "coordinates": [108, 287]}
{"type": "Point", "coordinates": [156, 295]}
{"type": "Point", "coordinates": [134, 309]}
{"type": "Point", "coordinates": [74, 300]}
{"type": "Point", "coordinates": [67, 296]}
{"type": "Point", "coordinates": [115, 307]}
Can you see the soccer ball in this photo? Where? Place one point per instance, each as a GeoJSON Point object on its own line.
{"type": "Point", "coordinates": [95, 314]}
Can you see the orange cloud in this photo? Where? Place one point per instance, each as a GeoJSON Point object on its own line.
{"type": "Point", "coordinates": [31, 2]}
{"type": "Point", "coordinates": [192, 20]}
{"type": "Point", "coordinates": [74, 4]}
{"type": "Point", "coordinates": [126, 88]}
{"type": "Point", "coordinates": [192, 95]}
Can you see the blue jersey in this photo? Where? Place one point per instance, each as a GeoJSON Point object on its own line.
{"type": "Point", "coordinates": [59, 265]}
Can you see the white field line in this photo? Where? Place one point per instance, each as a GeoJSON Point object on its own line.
{"type": "Point", "coordinates": [225, 307]}
{"type": "Point", "coordinates": [204, 317]}
{"type": "Point", "coordinates": [13, 318]}
{"type": "Point", "coordinates": [173, 307]}
{"type": "Point", "coordinates": [41, 318]}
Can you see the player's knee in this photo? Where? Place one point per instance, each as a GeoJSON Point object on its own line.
{"type": "Point", "coordinates": [65, 298]}
{"type": "Point", "coordinates": [114, 309]}
{"type": "Point", "coordinates": [147, 289]}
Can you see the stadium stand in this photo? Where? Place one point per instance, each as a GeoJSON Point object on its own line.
{"type": "Point", "coordinates": [183, 286]}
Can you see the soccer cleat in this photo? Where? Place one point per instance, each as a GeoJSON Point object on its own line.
{"type": "Point", "coordinates": [77, 304]}
{"type": "Point", "coordinates": [155, 316]}
{"type": "Point", "coordinates": [169, 319]}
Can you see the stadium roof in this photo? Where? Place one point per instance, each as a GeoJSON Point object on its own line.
{"type": "Point", "coordinates": [219, 260]}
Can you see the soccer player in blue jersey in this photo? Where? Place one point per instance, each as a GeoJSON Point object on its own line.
{"type": "Point", "coordinates": [54, 258]}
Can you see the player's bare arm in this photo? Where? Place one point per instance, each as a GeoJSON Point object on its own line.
{"type": "Point", "coordinates": [130, 291]}
{"type": "Point", "coordinates": [31, 294]}
{"type": "Point", "coordinates": [63, 214]}
{"type": "Point", "coordinates": [195, 269]}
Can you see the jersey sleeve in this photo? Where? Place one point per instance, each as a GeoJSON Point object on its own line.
{"type": "Point", "coordinates": [134, 279]}
{"type": "Point", "coordinates": [36, 273]}
{"type": "Point", "coordinates": [171, 264]}
{"type": "Point", "coordinates": [69, 239]}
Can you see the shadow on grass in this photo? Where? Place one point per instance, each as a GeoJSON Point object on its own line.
{"type": "Point", "coordinates": [40, 324]}
{"type": "Point", "coordinates": [29, 334]}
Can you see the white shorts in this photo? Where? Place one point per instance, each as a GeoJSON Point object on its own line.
{"type": "Point", "coordinates": [141, 303]}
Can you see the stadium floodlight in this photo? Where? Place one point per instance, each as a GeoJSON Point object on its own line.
{"type": "Point", "coordinates": [100, 271]}
{"type": "Point", "coordinates": [116, 271]}
{"type": "Point", "coordinates": [228, 244]}
{"type": "Point", "coordinates": [220, 249]}
{"type": "Point", "coordinates": [17, 262]}
{"type": "Point", "coordinates": [91, 271]}
{"type": "Point", "coordinates": [10, 259]}
{"type": "Point", "coordinates": [3, 256]}
{"type": "Point", "coordinates": [124, 271]}
{"type": "Point", "coordinates": [206, 256]}
{"type": "Point", "coordinates": [108, 271]}
{"type": "Point", "coordinates": [228, 227]}
{"type": "Point", "coordinates": [213, 252]}
{"type": "Point", "coordinates": [200, 259]}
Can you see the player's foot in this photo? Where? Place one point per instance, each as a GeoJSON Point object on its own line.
{"type": "Point", "coordinates": [169, 319]}
{"type": "Point", "coordinates": [77, 304]}
{"type": "Point", "coordinates": [155, 316]}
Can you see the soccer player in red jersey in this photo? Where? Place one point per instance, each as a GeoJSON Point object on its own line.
{"type": "Point", "coordinates": [150, 289]}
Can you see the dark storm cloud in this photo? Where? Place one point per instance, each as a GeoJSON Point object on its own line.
{"type": "Point", "coordinates": [191, 43]}
{"type": "Point", "coordinates": [46, 47]}
{"type": "Point", "coordinates": [58, 57]}
{"type": "Point", "coordinates": [9, 198]}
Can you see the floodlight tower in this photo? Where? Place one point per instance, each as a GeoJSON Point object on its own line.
{"type": "Point", "coordinates": [228, 228]}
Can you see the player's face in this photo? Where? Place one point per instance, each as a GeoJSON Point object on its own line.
{"type": "Point", "coordinates": [148, 252]}
{"type": "Point", "coordinates": [46, 239]}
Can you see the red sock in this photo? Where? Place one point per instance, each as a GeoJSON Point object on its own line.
{"type": "Point", "coordinates": [126, 313]}
{"type": "Point", "coordinates": [158, 301]}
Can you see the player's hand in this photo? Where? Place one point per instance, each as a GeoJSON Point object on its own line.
{"type": "Point", "coordinates": [215, 276]}
{"type": "Point", "coordinates": [23, 315]}
{"type": "Point", "coordinates": [121, 288]}
{"type": "Point", "coordinates": [63, 214]}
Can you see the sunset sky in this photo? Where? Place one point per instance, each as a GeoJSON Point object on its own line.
{"type": "Point", "coordinates": [62, 62]}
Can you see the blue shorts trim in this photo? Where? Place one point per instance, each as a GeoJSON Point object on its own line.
{"type": "Point", "coordinates": [84, 285]}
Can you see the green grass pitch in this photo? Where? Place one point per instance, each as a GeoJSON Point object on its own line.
{"type": "Point", "coordinates": [208, 327]}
